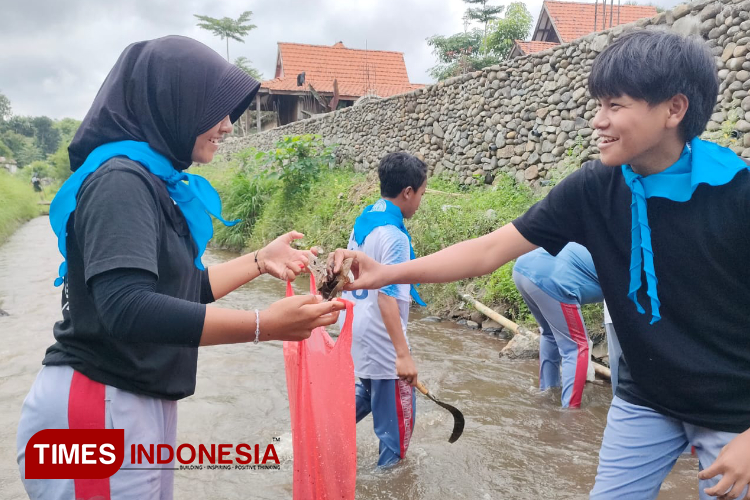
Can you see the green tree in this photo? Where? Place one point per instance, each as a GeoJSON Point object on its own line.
{"type": "Point", "coordinates": [5, 109]}
{"type": "Point", "coordinates": [68, 128]}
{"type": "Point", "coordinates": [483, 14]}
{"type": "Point", "coordinates": [28, 154]}
{"type": "Point", "coordinates": [458, 54]}
{"type": "Point", "coordinates": [227, 27]}
{"type": "Point", "coordinates": [20, 125]}
{"type": "Point", "coordinates": [14, 141]}
{"type": "Point", "coordinates": [243, 63]}
{"type": "Point", "coordinates": [46, 136]}
{"type": "Point", "coordinates": [5, 151]}
{"type": "Point", "coordinates": [60, 163]}
{"type": "Point", "coordinates": [516, 25]}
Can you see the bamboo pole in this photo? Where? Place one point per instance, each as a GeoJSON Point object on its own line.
{"type": "Point", "coordinates": [601, 370]}
{"type": "Point", "coordinates": [516, 329]}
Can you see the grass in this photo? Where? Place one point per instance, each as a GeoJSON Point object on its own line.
{"type": "Point", "coordinates": [18, 203]}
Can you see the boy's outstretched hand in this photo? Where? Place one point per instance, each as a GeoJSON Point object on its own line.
{"type": "Point", "coordinates": [733, 464]}
{"type": "Point", "coordinates": [368, 273]}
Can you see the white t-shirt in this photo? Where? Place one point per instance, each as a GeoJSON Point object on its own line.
{"type": "Point", "coordinates": [372, 350]}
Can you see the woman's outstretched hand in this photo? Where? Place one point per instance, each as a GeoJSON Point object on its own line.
{"type": "Point", "coordinates": [368, 273]}
{"type": "Point", "coordinates": [294, 318]}
{"type": "Point", "coordinates": [280, 260]}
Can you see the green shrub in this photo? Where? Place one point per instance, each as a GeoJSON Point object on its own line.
{"type": "Point", "coordinates": [451, 213]}
{"type": "Point", "coordinates": [296, 162]}
{"type": "Point", "coordinates": [18, 203]}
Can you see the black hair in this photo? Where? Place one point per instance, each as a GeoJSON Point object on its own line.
{"type": "Point", "coordinates": [398, 171]}
{"type": "Point", "coordinates": [656, 65]}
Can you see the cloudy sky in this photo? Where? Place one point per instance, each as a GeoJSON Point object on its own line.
{"type": "Point", "coordinates": [54, 54]}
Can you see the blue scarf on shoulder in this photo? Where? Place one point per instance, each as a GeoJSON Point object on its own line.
{"type": "Point", "coordinates": [701, 162]}
{"type": "Point", "coordinates": [384, 213]}
{"type": "Point", "coordinates": [196, 198]}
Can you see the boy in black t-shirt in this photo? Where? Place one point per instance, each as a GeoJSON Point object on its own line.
{"type": "Point", "coordinates": [664, 216]}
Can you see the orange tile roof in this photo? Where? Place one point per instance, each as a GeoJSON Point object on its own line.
{"type": "Point", "coordinates": [574, 20]}
{"type": "Point", "coordinates": [531, 47]}
{"type": "Point", "coordinates": [356, 70]}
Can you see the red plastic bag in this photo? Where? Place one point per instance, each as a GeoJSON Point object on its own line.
{"type": "Point", "coordinates": [320, 382]}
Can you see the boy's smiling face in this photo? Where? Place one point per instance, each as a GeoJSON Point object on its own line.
{"type": "Point", "coordinates": [644, 136]}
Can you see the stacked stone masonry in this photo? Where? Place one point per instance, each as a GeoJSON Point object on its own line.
{"type": "Point", "coordinates": [528, 117]}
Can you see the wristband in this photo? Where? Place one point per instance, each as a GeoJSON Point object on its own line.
{"type": "Point", "coordinates": [257, 327]}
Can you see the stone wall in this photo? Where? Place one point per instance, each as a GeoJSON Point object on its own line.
{"type": "Point", "coordinates": [528, 117]}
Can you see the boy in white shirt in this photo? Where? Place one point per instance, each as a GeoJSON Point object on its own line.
{"type": "Point", "coordinates": [380, 350]}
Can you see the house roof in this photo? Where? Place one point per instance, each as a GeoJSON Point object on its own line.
{"type": "Point", "coordinates": [531, 47]}
{"type": "Point", "coordinates": [576, 19]}
{"type": "Point", "coordinates": [357, 71]}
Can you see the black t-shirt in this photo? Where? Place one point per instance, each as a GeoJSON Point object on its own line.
{"type": "Point", "coordinates": [694, 363]}
{"type": "Point", "coordinates": [125, 219]}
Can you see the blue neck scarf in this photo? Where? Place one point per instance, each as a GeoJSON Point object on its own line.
{"type": "Point", "coordinates": [384, 213]}
{"type": "Point", "coordinates": [701, 162]}
{"type": "Point", "coordinates": [196, 198]}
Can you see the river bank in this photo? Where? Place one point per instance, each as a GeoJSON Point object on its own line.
{"type": "Point", "coordinates": [18, 204]}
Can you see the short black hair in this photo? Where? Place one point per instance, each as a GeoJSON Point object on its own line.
{"type": "Point", "coordinates": [398, 171]}
{"type": "Point", "coordinates": [656, 65]}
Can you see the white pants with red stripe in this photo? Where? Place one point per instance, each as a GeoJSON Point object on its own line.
{"type": "Point", "coordinates": [61, 398]}
{"type": "Point", "coordinates": [564, 344]}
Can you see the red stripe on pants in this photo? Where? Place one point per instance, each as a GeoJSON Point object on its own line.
{"type": "Point", "coordinates": [405, 414]}
{"type": "Point", "coordinates": [578, 334]}
{"type": "Point", "coordinates": [86, 411]}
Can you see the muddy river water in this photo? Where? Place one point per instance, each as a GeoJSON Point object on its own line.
{"type": "Point", "coordinates": [518, 443]}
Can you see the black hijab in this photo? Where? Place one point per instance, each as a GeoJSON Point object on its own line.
{"type": "Point", "coordinates": [165, 92]}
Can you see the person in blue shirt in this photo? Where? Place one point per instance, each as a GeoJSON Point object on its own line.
{"type": "Point", "coordinates": [555, 288]}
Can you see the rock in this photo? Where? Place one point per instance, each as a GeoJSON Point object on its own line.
{"type": "Point", "coordinates": [735, 64]}
{"type": "Point", "coordinates": [728, 50]}
{"type": "Point", "coordinates": [439, 168]}
{"type": "Point", "coordinates": [567, 125]}
{"type": "Point", "coordinates": [493, 327]}
{"type": "Point", "coordinates": [531, 173]}
{"type": "Point", "coordinates": [680, 11]}
{"type": "Point", "coordinates": [521, 347]}
{"type": "Point", "coordinates": [742, 126]}
{"type": "Point", "coordinates": [437, 130]}
{"type": "Point", "coordinates": [431, 319]}
{"type": "Point", "coordinates": [548, 158]}
{"type": "Point", "coordinates": [599, 42]}
{"type": "Point", "coordinates": [472, 324]}
{"type": "Point", "coordinates": [711, 11]}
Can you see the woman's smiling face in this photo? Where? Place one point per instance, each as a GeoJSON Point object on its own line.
{"type": "Point", "coordinates": [207, 143]}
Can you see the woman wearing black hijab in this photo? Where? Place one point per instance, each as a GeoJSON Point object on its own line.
{"type": "Point", "coordinates": [132, 226]}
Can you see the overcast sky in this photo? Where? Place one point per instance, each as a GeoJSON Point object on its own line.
{"type": "Point", "coordinates": [54, 54]}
